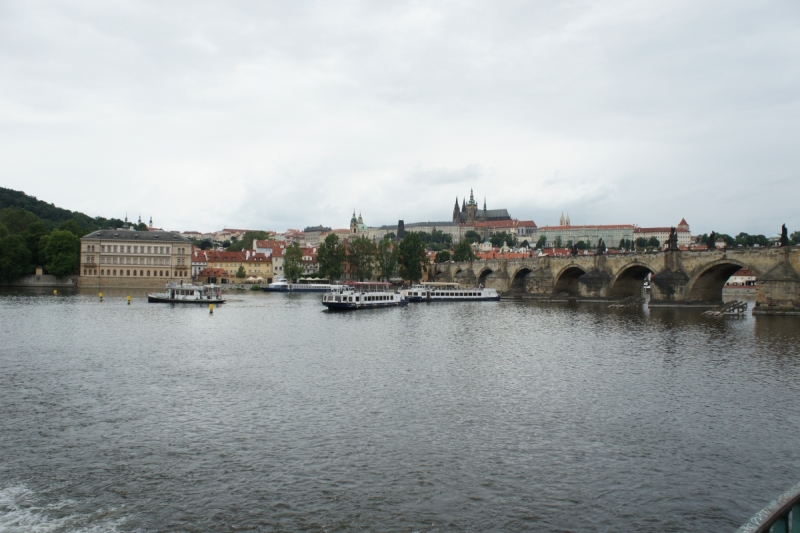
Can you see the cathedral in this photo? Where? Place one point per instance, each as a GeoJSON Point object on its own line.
{"type": "Point", "coordinates": [469, 213]}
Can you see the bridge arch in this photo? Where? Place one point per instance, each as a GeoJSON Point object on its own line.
{"type": "Point", "coordinates": [518, 279]}
{"type": "Point", "coordinates": [567, 280]}
{"type": "Point", "coordinates": [706, 284]}
{"type": "Point", "coordinates": [482, 275]}
{"type": "Point", "coordinates": [629, 280]}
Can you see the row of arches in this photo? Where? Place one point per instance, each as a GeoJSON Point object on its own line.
{"type": "Point", "coordinates": [704, 286]}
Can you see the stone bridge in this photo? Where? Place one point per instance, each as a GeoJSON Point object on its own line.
{"type": "Point", "coordinates": [678, 277]}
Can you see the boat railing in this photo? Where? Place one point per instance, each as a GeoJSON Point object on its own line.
{"type": "Point", "coordinates": [778, 515]}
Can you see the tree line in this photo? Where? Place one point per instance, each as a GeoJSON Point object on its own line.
{"type": "Point", "coordinates": [365, 259]}
{"type": "Point", "coordinates": [26, 242]}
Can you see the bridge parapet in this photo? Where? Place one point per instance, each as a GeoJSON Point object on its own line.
{"type": "Point", "coordinates": [678, 277]}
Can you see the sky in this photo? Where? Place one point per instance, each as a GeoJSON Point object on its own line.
{"type": "Point", "coordinates": [276, 115]}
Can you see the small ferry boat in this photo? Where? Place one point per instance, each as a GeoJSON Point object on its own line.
{"type": "Point", "coordinates": [449, 292]}
{"type": "Point", "coordinates": [364, 295]}
{"type": "Point", "coordinates": [281, 285]}
{"type": "Point", "coordinates": [181, 293]}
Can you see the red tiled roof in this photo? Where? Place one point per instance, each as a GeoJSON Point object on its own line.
{"type": "Point", "coordinates": [218, 272]}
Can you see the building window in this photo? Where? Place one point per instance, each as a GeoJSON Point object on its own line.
{"type": "Point", "coordinates": [134, 272]}
{"type": "Point", "coordinates": [115, 272]}
{"type": "Point", "coordinates": [128, 273]}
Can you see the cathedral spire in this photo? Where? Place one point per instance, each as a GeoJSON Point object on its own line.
{"type": "Point", "coordinates": [561, 220]}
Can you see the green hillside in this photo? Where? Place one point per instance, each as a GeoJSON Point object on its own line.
{"type": "Point", "coordinates": [51, 215]}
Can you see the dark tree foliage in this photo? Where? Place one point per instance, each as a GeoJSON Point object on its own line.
{"type": "Point", "coordinates": [473, 236]}
{"type": "Point", "coordinates": [541, 242]}
{"type": "Point", "coordinates": [51, 215]}
{"type": "Point", "coordinates": [581, 245]}
{"type": "Point", "coordinates": [33, 237]}
{"type": "Point", "coordinates": [246, 241]}
{"type": "Point", "coordinates": [331, 257]}
{"type": "Point", "coordinates": [16, 220]}
{"type": "Point", "coordinates": [141, 226]}
{"type": "Point", "coordinates": [641, 242]}
{"type": "Point", "coordinates": [501, 238]}
{"type": "Point", "coordinates": [411, 257]}
{"type": "Point", "coordinates": [443, 256]}
{"type": "Point", "coordinates": [391, 236]}
{"type": "Point", "coordinates": [226, 244]}
{"type": "Point", "coordinates": [361, 256]}
{"type": "Point", "coordinates": [205, 244]}
{"type": "Point", "coordinates": [62, 253]}
{"type": "Point", "coordinates": [293, 262]}
{"type": "Point", "coordinates": [241, 273]}
{"type": "Point", "coordinates": [463, 252]}
{"type": "Point", "coordinates": [15, 258]}
{"type": "Point", "coordinates": [386, 259]}
{"type": "Point", "coordinates": [3, 231]}
{"type": "Point", "coordinates": [72, 227]}
{"type": "Point", "coordinates": [525, 244]}
{"type": "Point", "coordinates": [653, 242]}
{"type": "Point", "coordinates": [794, 238]}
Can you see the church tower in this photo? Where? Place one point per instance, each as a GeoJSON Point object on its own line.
{"type": "Point", "coordinates": [561, 221]}
{"type": "Point", "coordinates": [354, 223]}
{"type": "Point", "coordinates": [456, 213]}
{"type": "Point", "coordinates": [472, 209]}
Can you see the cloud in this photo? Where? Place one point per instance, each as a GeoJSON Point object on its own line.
{"type": "Point", "coordinates": [278, 115]}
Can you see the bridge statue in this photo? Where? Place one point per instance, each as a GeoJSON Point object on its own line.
{"type": "Point", "coordinates": [683, 277]}
{"type": "Point", "coordinates": [784, 236]}
{"type": "Point", "coordinates": [712, 241]}
{"type": "Point", "coordinates": [574, 249]}
{"type": "Point", "coordinates": [672, 241]}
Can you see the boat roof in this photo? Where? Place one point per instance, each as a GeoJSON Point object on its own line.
{"type": "Point", "coordinates": [439, 284]}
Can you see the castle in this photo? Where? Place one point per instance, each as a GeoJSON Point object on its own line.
{"type": "Point", "coordinates": [469, 212]}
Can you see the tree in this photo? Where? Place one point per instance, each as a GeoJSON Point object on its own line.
{"type": "Point", "coordinates": [411, 258]}
{"type": "Point", "coordinates": [141, 226]}
{"type": "Point", "coordinates": [794, 238]}
{"type": "Point", "coordinates": [541, 242]}
{"type": "Point", "coordinates": [16, 220]}
{"type": "Point", "coordinates": [386, 259]}
{"type": "Point", "coordinates": [525, 244]}
{"type": "Point", "coordinates": [3, 231]}
{"type": "Point", "coordinates": [581, 245]}
{"type": "Point", "coordinates": [33, 236]}
{"type": "Point", "coordinates": [601, 247]}
{"type": "Point", "coordinates": [15, 258]}
{"type": "Point", "coordinates": [473, 236]}
{"type": "Point", "coordinates": [226, 244]}
{"type": "Point", "coordinates": [361, 256]}
{"type": "Point", "coordinates": [443, 256]}
{"type": "Point", "coordinates": [391, 236]}
{"type": "Point", "coordinates": [558, 242]}
{"type": "Point", "coordinates": [331, 256]}
{"type": "Point", "coordinates": [205, 244]}
{"type": "Point", "coordinates": [641, 242]}
{"type": "Point", "coordinates": [653, 242]}
{"type": "Point", "coordinates": [72, 227]}
{"type": "Point", "coordinates": [293, 262]}
{"type": "Point", "coordinates": [501, 238]}
{"type": "Point", "coordinates": [241, 273]}
{"type": "Point", "coordinates": [62, 253]}
{"type": "Point", "coordinates": [463, 252]}
{"type": "Point", "coordinates": [246, 241]}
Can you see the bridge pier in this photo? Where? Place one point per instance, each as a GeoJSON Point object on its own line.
{"type": "Point", "coordinates": [678, 278]}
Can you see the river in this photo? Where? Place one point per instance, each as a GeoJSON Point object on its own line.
{"type": "Point", "coordinates": [275, 415]}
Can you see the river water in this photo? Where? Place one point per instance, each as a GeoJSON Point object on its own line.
{"type": "Point", "coordinates": [274, 415]}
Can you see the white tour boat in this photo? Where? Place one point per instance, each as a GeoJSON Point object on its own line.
{"type": "Point", "coordinates": [184, 293]}
{"type": "Point", "coordinates": [364, 295]}
{"type": "Point", "coordinates": [449, 292]}
{"type": "Point", "coordinates": [281, 285]}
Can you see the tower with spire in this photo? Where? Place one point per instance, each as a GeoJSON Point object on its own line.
{"type": "Point", "coordinates": [354, 223]}
{"type": "Point", "coordinates": [456, 213]}
{"type": "Point", "coordinates": [472, 209]}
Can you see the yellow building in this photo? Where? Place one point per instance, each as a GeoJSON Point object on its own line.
{"type": "Point", "coordinates": [255, 265]}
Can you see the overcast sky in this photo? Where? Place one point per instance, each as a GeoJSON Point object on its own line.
{"type": "Point", "coordinates": [272, 115]}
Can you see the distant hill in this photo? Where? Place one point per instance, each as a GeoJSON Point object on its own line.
{"type": "Point", "coordinates": [51, 215]}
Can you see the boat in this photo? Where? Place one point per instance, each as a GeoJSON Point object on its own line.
{"type": "Point", "coordinates": [185, 293]}
{"type": "Point", "coordinates": [449, 292]}
{"type": "Point", "coordinates": [363, 295]}
{"type": "Point", "coordinates": [279, 285]}
{"type": "Point", "coordinates": [282, 285]}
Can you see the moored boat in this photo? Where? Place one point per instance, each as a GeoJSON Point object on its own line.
{"type": "Point", "coordinates": [364, 295]}
{"type": "Point", "coordinates": [449, 292]}
{"type": "Point", "coordinates": [184, 293]}
{"type": "Point", "coordinates": [282, 285]}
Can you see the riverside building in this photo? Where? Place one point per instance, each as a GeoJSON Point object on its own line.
{"type": "Point", "coordinates": [129, 258]}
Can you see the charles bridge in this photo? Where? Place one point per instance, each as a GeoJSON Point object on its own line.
{"type": "Point", "coordinates": [679, 278]}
